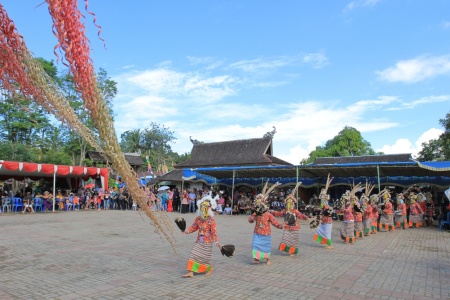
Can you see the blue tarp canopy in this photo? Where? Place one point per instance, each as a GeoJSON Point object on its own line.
{"type": "Point", "coordinates": [395, 173]}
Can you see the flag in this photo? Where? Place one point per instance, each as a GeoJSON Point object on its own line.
{"type": "Point", "coordinates": [447, 193]}
{"type": "Point", "coordinates": [149, 168]}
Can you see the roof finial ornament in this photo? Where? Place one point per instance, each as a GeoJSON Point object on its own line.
{"type": "Point", "coordinates": [195, 142]}
{"type": "Point", "coordinates": [270, 134]}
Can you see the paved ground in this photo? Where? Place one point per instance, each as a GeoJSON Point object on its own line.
{"type": "Point", "coordinates": [117, 255]}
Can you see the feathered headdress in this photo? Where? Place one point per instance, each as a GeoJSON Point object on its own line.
{"type": "Point", "coordinates": [261, 205]}
{"type": "Point", "coordinates": [323, 196]}
{"type": "Point", "coordinates": [290, 199]}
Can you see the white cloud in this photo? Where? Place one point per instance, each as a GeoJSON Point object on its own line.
{"type": "Point", "coordinates": [178, 84]}
{"type": "Point", "coordinates": [421, 101]}
{"type": "Point", "coordinates": [404, 145]}
{"type": "Point", "coordinates": [316, 60]}
{"type": "Point", "coordinates": [446, 25]}
{"type": "Point", "coordinates": [416, 69]}
{"type": "Point", "coordinates": [360, 3]}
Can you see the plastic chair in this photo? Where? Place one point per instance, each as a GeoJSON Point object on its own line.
{"type": "Point", "coordinates": [441, 222]}
{"type": "Point", "coordinates": [7, 205]}
{"type": "Point", "coordinates": [37, 204]}
{"type": "Point", "coordinates": [17, 203]}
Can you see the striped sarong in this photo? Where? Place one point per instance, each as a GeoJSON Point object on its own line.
{"type": "Point", "coordinates": [359, 229]}
{"type": "Point", "coordinates": [289, 242]}
{"type": "Point", "coordinates": [323, 234]}
{"type": "Point", "coordinates": [387, 222]}
{"type": "Point", "coordinates": [400, 221]}
{"type": "Point", "coordinates": [416, 221]}
{"type": "Point", "coordinates": [200, 259]}
{"type": "Point", "coordinates": [367, 223]}
{"type": "Point", "coordinates": [261, 246]}
{"type": "Point", "coordinates": [348, 231]}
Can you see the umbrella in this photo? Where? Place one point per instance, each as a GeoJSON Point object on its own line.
{"type": "Point", "coordinates": [89, 185]}
{"type": "Point", "coordinates": [164, 187]}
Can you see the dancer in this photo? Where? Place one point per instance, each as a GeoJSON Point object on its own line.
{"type": "Point", "coordinates": [323, 232]}
{"type": "Point", "coordinates": [367, 208]}
{"type": "Point", "coordinates": [375, 214]}
{"type": "Point", "coordinates": [291, 234]}
{"type": "Point", "coordinates": [387, 214]}
{"type": "Point", "coordinates": [358, 216]}
{"type": "Point", "coordinates": [400, 213]}
{"type": "Point", "coordinates": [415, 212]}
{"type": "Point", "coordinates": [429, 209]}
{"type": "Point", "coordinates": [200, 258]}
{"type": "Point", "coordinates": [262, 239]}
{"type": "Point", "coordinates": [348, 225]}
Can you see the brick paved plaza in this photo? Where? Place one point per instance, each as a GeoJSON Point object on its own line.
{"type": "Point", "coordinates": [117, 255]}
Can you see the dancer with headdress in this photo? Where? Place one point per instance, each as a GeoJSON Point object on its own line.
{"type": "Point", "coordinates": [415, 212]}
{"type": "Point", "coordinates": [358, 216]}
{"type": "Point", "coordinates": [387, 213]}
{"type": "Point", "coordinates": [323, 232]}
{"type": "Point", "coordinates": [367, 208]}
{"type": "Point", "coordinates": [375, 215]}
{"type": "Point", "coordinates": [200, 258]}
{"type": "Point", "coordinates": [291, 234]}
{"type": "Point", "coordinates": [400, 213]}
{"type": "Point", "coordinates": [348, 225]}
{"type": "Point", "coordinates": [429, 209]}
{"type": "Point", "coordinates": [262, 238]}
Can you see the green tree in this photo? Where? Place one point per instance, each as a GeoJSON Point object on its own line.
{"type": "Point", "coordinates": [437, 149]}
{"type": "Point", "coordinates": [154, 140]}
{"type": "Point", "coordinates": [348, 142]}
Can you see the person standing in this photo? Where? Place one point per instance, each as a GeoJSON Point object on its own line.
{"type": "Point", "coordinates": [323, 232]}
{"type": "Point", "coordinates": [415, 212]}
{"type": "Point", "coordinates": [192, 198]}
{"type": "Point", "coordinates": [185, 202]}
{"type": "Point", "coordinates": [387, 214]}
{"type": "Point", "coordinates": [200, 258]}
{"type": "Point", "coordinates": [400, 214]}
{"type": "Point", "coordinates": [348, 225]}
{"type": "Point", "coordinates": [262, 238]}
{"type": "Point", "coordinates": [291, 235]}
{"type": "Point", "coordinates": [176, 199]}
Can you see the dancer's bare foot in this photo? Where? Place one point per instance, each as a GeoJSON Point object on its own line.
{"type": "Point", "coordinates": [292, 255]}
{"type": "Point", "coordinates": [208, 273]}
{"type": "Point", "coordinates": [256, 261]}
{"type": "Point", "coordinates": [189, 274]}
{"type": "Point", "coordinates": [329, 247]}
{"type": "Point", "coordinates": [268, 262]}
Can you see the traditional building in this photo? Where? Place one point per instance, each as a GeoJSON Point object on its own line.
{"type": "Point", "coordinates": [134, 159]}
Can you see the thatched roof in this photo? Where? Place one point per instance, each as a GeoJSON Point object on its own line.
{"type": "Point", "coordinates": [132, 159]}
{"type": "Point", "coordinates": [251, 152]}
{"type": "Point", "coordinates": [385, 158]}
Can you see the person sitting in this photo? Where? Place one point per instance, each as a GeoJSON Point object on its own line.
{"type": "Point", "coordinates": [27, 204]}
{"type": "Point", "coordinates": [227, 210]}
{"type": "Point", "coordinates": [59, 200]}
{"type": "Point", "coordinates": [76, 202]}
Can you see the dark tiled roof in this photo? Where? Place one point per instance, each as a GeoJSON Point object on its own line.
{"type": "Point", "coordinates": [174, 175]}
{"type": "Point", "coordinates": [133, 160]}
{"type": "Point", "coordinates": [249, 152]}
{"type": "Point", "coordinates": [363, 159]}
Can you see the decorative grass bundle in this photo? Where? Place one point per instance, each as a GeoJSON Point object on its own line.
{"type": "Point", "coordinates": [227, 250]}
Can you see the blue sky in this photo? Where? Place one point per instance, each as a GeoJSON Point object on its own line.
{"type": "Point", "coordinates": [227, 70]}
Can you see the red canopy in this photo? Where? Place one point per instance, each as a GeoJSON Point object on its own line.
{"type": "Point", "coordinates": [20, 170]}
